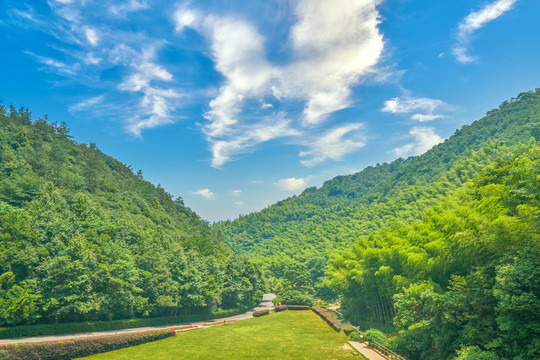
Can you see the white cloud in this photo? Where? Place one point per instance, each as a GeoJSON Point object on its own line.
{"type": "Point", "coordinates": [330, 49]}
{"type": "Point", "coordinates": [92, 36]}
{"type": "Point", "coordinates": [245, 137]}
{"type": "Point", "coordinates": [334, 144]}
{"type": "Point", "coordinates": [239, 203]}
{"type": "Point", "coordinates": [205, 193]}
{"type": "Point", "coordinates": [474, 21]}
{"type": "Point", "coordinates": [186, 17]}
{"type": "Point", "coordinates": [336, 46]}
{"type": "Point", "coordinates": [425, 138]}
{"type": "Point", "coordinates": [55, 65]}
{"type": "Point", "coordinates": [291, 184]}
{"type": "Point", "coordinates": [423, 108]}
{"type": "Point", "coordinates": [156, 103]}
{"type": "Point", "coordinates": [85, 104]}
{"type": "Point", "coordinates": [127, 7]}
{"type": "Point", "coordinates": [90, 59]}
{"type": "Point", "coordinates": [333, 47]}
{"type": "Point", "coordinates": [236, 192]}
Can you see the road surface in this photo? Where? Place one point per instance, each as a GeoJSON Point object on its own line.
{"type": "Point", "coordinates": [265, 304]}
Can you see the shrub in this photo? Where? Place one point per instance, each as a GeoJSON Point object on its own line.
{"type": "Point", "coordinates": [74, 328]}
{"type": "Point", "coordinates": [377, 336]}
{"type": "Point", "coordinates": [75, 348]}
{"type": "Point", "coordinates": [4, 355]}
{"type": "Point", "coordinates": [329, 316]}
{"type": "Point", "coordinates": [474, 353]}
{"type": "Point", "coordinates": [297, 307]}
{"type": "Point", "coordinates": [347, 328]}
{"type": "Point", "coordinates": [295, 297]}
{"type": "Point", "coordinates": [261, 313]}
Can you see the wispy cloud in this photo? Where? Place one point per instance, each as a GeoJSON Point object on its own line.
{"type": "Point", "coordinates": [236, 192]}
{"type": "Point", "coordinates": [330, 50]}
{"type": "Point", "coordinates": [246, 136]}
{"type": "Point", "coordinates": [334, 144]}
{"type": "Point", "coordinates": [88, 103]}
{"type": "Point", "coordinates": [290, 184]}
{"type": "Point", "coordinates": [423, 108]}
{"type": "Point", "coordinates": [424, 139]}
{"type": "Point", "coordinates": [334, 48]}
{"type": "Point", "coordinates": [92, 35]}
{"type": "Point", "coordinates": [474, 21]}
{"type": "Point", "coordinates": [90, 45]}
{"type": "Point", "coordinates": [126, 7]}
{"type": "Point", "coordinates": [56, 65]}
{"type": "Point", "coordinates": [205, 193]}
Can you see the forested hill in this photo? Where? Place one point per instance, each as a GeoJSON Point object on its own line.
{"type": "Point", "coordinates": [82, 237]}
{"type": "Point", "coordinates": [328, 219]}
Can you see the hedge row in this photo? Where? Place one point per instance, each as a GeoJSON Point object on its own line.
{"type": "Point", "coordinates": [329, 316]}
{"type": "Point", "coordinates": [291, 307]}
{"type": "Point", "coordinates": [261, 313]}
{"type": "Point", "coordinates": [74, 328]}
{"type": "Point", "coordinates": [75, 348]}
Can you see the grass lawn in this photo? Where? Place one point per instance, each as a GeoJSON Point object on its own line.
{"type": "Point", "coordinates": [284, 335]}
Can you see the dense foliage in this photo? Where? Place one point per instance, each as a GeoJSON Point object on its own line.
{"type": "Point", "coordinates": [323, 221]}
{"type": "Point", "coordinates": [84, 238]}
{"type": "Point", "coordinates": [446, 244]}
{"type": "Point", "coordinates": [465, 279]}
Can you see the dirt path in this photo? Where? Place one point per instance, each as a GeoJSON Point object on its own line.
{"type": "Point", "coordinates": [265, 304]}
{"type": "Point", "coordinates": [365, 350]}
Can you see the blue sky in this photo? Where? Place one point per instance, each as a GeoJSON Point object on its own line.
{"type": "Point", "coordinates": [234, 105]}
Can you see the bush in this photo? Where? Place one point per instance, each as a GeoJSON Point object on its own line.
{"type": "Point", "coordinates": [347, 328]}
{"type": "Point", "coordinates": [75, 348]}
{"type": "Point", "coordinates": [294, 297]}
{"type": "Point", "coordinates": [261, 313]}
{"type": "Point", "coordinates": [474, 353]}
{"type": "Point", "coordinates": [329, 316]}
{"type": "Point", "coordinates": [377, 336]}
{"type": "Point", "coordinates": [297, 307]}
{"type": "Point", "coordinates": [74, 328]}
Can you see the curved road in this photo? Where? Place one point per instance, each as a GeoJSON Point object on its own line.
{"type": "Point", "coordinates": [265, 304]}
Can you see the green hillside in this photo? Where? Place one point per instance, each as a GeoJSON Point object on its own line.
{"type": "Point", "coordinates": [462, 280]}
{"type": "Point", "coordinates": [82, 237]}
{"type": "Point", "coordinates": [323, 221]}
{"type": "Point", "coordinates": [443, 248]}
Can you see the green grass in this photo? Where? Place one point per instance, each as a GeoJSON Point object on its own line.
{"type": "Point", "coordinates": [284, 335]}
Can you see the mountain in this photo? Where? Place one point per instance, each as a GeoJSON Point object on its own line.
{"type": "Point", "coordinates": [83, 237]}
{"type": "Point", "coordinates": [442, 249]}
{"type": "Point", "coordinates": [323, 221]}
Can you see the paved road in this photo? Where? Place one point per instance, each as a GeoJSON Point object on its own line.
{"type": "Point", "coordinates": [365, 350]}
{"type": "Point", "coordinates": [265, 304]}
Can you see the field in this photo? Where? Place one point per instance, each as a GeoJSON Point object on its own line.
{"type": "Point", "coordinates": [285, 335]}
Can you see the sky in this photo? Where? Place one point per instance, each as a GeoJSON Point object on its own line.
{"type": "Point", "coordinates": [235, 105]}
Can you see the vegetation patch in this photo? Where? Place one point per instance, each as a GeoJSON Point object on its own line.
{"type": "Point", "coordinates": [329, 316]}
{"type": "Point", "coordinates": [84, 238]}
{"type": "Point", "coordinates": [73, 328]}
{"type": "Point", "coordinates": [261, 313]}
{"type": "Point", "coordinates": [74, 348]}
{"type": "Point", "coordinates": [287, 335]}
{"type": "Point", "coordinates": [294, 307]}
